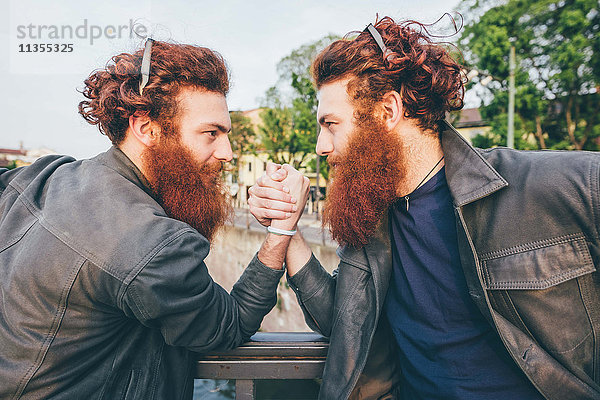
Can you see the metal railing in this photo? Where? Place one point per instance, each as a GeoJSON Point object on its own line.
{"type": "Point", "coordinates": [268, 355]}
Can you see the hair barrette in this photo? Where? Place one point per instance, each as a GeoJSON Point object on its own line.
{"type": "Point", "coordinates": [145, 68]}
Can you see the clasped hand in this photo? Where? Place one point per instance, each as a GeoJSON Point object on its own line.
{"type": "Point", "coordinates": [279, 196]}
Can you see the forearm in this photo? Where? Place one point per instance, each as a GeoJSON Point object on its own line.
{"type": "Point", "coordinates": [256, 294]}
{"type": "Point", "coordinates": [268, 199]}
{"type": "Point", "coordinates": [193, 311]}
{"type": "Point", "coordinates": [298, 254]}
{"type": "Point", "coordinates": [273, 250]}
{"type": "Point", "coordinates": [315, 289]}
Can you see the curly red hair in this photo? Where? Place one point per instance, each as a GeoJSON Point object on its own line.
{"type": "Point", "coordinates": [113, 92]}
{"type": "Point", "coordinates": [429, 81]}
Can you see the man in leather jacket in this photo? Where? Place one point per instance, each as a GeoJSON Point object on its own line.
{"type": "Point", "coordinates": [464, 273]}
{"type": "Point", "coordinates": [104, 291]}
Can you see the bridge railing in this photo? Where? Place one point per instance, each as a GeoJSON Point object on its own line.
{"type": "Point", "coordinates": [269, 355]}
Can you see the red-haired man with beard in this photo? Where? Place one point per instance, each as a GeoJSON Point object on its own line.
{"type": "Point", "coordinates": [464, 273]}
{"type": "Point", "coordinates": [104, 291]}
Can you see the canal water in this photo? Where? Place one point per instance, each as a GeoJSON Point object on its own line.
{"type": "Point", "coordinates": [208, 389]}
{"type": "Point", "coordinates": [291, 389]}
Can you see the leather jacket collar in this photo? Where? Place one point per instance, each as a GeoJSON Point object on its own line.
{"type": "Point", "coordinates": [115, 159]}
{"type": "Point", "coordinates": [470, 177]}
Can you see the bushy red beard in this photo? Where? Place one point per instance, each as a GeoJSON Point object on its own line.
{"type": "Point", "coordinates": [188, 190]}
{"type": "Point", "coordinates": [365, 179]}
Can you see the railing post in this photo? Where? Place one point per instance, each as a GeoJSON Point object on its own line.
{"type": "Point", "coordinates": [245, 389]}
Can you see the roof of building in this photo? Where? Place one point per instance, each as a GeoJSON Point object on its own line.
{"type": "Point", "coordinates": [469, 117]}
{"type": "Point", "coordinates": [18, 152]}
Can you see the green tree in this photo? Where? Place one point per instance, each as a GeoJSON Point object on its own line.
{"type": "Point", "coordinates": [558, 69]}
{"type": "Point", "coordinates": [242, 139]}
{"type": "Point", "coordinates": [298, 62]}
{"type": "Point", "coordinates": [289, 125]}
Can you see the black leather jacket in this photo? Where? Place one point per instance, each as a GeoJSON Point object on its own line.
{"type": "Point", "coordinates": [528, 227]}
{"type": "Point", "coordinates": [102, 296]}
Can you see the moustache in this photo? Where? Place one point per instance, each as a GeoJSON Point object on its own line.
{"type": "Point", "coordinates": [334, 161]}
{"type": "Point", "coordinates": [216, 169]}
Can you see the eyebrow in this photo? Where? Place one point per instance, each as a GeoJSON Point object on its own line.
{"type": "Point", "coordinates": [324, 117]}
{"type": "Point", "coordinates": [219, 127]}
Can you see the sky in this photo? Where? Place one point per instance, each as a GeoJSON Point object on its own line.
{"type": "Point", "coordinates": [40, 94]}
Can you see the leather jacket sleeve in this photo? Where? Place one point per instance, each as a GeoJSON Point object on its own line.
{"type": "Point", "coordinates": [174, 292]}
{"type": "Point", "coordinates": [315, 289]}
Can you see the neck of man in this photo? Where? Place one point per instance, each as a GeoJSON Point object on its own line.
{"type": "Point", "coordinates": [133, 149]}
{"type": "Point", "coordinates": [422, 150]}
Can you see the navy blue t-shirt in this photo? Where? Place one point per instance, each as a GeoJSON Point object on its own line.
{"type": "Point", "coordinates": [447, 349]}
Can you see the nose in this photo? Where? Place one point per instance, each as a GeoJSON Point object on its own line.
{"type": "Point", "coordinates": [324, 144]}
{"type": "Point", "coordinates": [223, 151]}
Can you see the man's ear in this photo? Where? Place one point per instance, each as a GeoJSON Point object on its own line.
{"type": "Point", "coordinates": [393, 109]}
{"type": "Point", "coordinates": [144, 130]}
